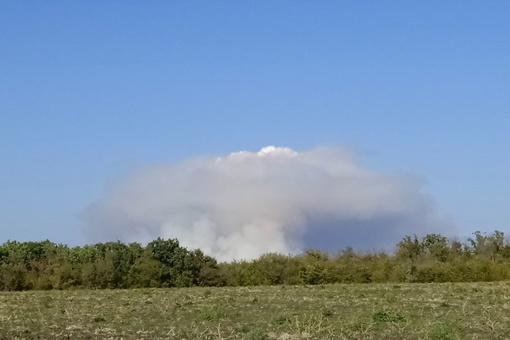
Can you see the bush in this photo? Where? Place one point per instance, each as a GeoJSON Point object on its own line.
{"type": "Point", "coordinates": [164, 263]}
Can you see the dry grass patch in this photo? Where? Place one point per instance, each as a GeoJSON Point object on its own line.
{"type": "Point", "coordinates": [358, 311]}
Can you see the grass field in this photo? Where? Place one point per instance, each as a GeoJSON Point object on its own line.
{"type": "Point", "coordinates": [370, 311]}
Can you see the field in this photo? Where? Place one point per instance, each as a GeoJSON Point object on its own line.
{"type": "Point", "coordinates": [369, 311]}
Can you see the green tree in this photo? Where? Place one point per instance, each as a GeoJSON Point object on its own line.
{"type": "Point", "coordinates": [436, 246]}
{"type": "Point", "coordinates": [491, 245]}
{"type": "Point", "coordinates": [409, 248]}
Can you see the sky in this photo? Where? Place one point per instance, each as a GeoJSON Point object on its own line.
{"type": "Point", "coordinates": [90, 90]}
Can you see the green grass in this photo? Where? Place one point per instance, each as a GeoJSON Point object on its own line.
{"type": "Point", "coordinates": [371, 311]}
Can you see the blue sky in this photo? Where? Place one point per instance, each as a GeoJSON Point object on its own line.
{"type": "Point", "coordinates": [89, 89]}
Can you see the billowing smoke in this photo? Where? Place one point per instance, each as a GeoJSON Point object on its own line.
{"type": "Point", "coordinates": [275, 200]}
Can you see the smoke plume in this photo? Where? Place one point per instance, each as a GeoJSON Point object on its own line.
{"type": "Point", "coordinates": [276, 200]}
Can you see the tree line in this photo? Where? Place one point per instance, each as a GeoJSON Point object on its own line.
{"type": "Point", "coordinates": [165, 263]}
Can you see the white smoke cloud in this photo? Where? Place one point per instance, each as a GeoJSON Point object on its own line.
{"type": "Point", "coordinates": [275, 200]}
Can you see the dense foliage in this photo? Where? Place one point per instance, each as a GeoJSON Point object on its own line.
{"type": "Point", "coordinates": [164, 263]}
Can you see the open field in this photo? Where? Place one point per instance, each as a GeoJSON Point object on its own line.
{"type": "Point", "coordinates": [369, 311]}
